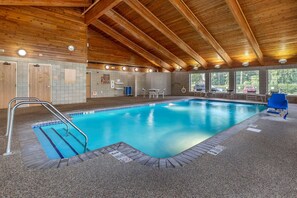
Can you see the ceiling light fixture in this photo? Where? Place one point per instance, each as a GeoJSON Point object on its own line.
{"type": "Point", "coordinates": [71, 48]}
{"type": "Point", "coordinates": [136, 69]}
{"type": "Point", "coordinates": [2, 50]}
{"type": "Point", "coordinates": [124, 68]}
{"type": "Point", "coordinates": [217, 66]}
{"type": "Point", "coordinates": [150, 70]}
{"type": "Point", "coordinates": [282, 61]}
{"type": "Point", "coordinates": [107, 67]}
{"type": "Point", "coordinates": [245, 64]}
{"type": "Point", "coordinates": [22, 52]}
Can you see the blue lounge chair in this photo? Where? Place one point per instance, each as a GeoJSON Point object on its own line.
{"type": "Point", "coordinates": [278, 104]}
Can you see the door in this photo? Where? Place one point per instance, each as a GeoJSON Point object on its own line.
{"type": "Point", "coordinates": [7, 83]}
{"type": "Point", "coordinates": [40, 81]}
{"type": "Point", "coordinates": [88, 85]}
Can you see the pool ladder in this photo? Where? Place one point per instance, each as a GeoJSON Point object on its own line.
{"type": "Point", "coordinates": [48, 106]}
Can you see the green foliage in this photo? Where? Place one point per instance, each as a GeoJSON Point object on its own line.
{"type": "Point", "coordinates": [284, 80]}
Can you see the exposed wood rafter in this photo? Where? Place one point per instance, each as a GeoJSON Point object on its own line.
{"type": "Point", "coordinates": [139, 50]}
{"type": "Point", "coordinates": [184, 10]}
{"type": "Point", "coordinates": [245, 27]}
{"type": "Point", "coordinates": [140, 35]}
{"type": "Point", "coordinates": [56, 3]}
{"type": "Point", "coordinates": [98, 9]}
{"type": "Point", "coordinates": [154, 21]}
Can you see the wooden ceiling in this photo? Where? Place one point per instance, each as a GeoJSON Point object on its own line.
{"type": "Point", "coordinates": [182, 34]}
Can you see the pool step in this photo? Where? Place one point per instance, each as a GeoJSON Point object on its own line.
{"type": "Point", "coordinates": [65, 145]}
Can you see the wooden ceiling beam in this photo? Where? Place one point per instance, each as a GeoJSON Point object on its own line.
{"type": "Point", "coordinates": [131, 45]}
{"type": "Point", "coordinates": [144, 38]}
{"type": "Point", "coordinates": [98, 9]}
{"type": "Point", "coordinates": [54, 3]}
{"type": "Point", "coordinates": [154, 21]}
{"type": "Point", "coordinates": [245, 27]}
{"type": "Point", "coordinates": [185, 11]}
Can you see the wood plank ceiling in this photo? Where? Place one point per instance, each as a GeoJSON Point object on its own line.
{"type": "Point", "coordinates": [186, 34]}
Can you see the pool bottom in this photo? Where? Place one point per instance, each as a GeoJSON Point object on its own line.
{"type": "Point", "coordinates": [188, 156]}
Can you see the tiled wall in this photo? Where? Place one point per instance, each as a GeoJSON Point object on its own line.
{"type": "Point", "coordinates": [104, 90]}
{"type": "Point", "coordinates": [135, 80]}
{"type": "Point", "coordinates": [61, 93]}
{"type": "Point", "coordinates": [159, 81]}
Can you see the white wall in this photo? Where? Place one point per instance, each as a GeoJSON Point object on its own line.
{"type": "Point", "coordinates": [159, 81]}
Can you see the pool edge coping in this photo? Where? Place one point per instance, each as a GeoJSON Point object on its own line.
{"type": "Point", "coordinates": [34, 157]}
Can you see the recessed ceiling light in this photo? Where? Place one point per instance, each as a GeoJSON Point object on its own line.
{"type": "Point", "coordinates": [22, 52]}
{"type": "Point", "coordinates": [217, 66]}
{"type": "Point", "coordinates": [245, 64]}
{"type": "Point", "coordinates": [282, 61]}
{"type": "Point", "coordinates": [106, 66]}
{"type": "Point", "coordinates": [71, 48]}
{"type": "Point", "coordinates": [124, 68]}
{"type": "Point", "coordinates": [136, 69]}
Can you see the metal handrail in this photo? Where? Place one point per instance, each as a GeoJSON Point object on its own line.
{"type": "Point", "coordinates": [8, 150]}
{"type": "Point", "coordinates": [28, 99]}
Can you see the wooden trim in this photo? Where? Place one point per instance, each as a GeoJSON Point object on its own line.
{"type": "Point", "coordinates": [56, 3]}
{"type": "Point", "coordinates": [131, 45]}
{"type": "Point", "coordinates": [99, 9]}
{"type": "Point", "coordinates": [245, 27]}
{"type": "Point", "coordinates": [184, 10]}
{"type": "Point", "coordinates": [144, 38]}
{"type": "Point", "coordinates": [154, 21]}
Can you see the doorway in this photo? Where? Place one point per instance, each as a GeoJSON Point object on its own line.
{"type": "Point", "coordinates": [40, 81]}
{"type": "Point", "coordinates": [7, 83]}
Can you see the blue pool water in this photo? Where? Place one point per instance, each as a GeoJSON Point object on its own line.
{"type": "Point", "coordinates": [160, 130]}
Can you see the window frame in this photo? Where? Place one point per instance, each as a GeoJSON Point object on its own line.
{"type": "Point", "coordinates": [190, 81]}
{"type": "Point", "coordinates": [242, 70]}
{"type": "Point", "coordinates": [210, 81]}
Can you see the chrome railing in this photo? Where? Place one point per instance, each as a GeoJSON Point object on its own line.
{"type": "Point", "coordinates": [29, 99]}
{"type": "Point", "coordinates": [53, 110]}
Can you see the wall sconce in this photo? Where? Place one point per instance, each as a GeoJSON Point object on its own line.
{"type": "Point", "coordinates": [22, 52]}
{"type": "Point", "coordinates": [282, 61]}
{"type": "Point", "coordinates": [245, 64]}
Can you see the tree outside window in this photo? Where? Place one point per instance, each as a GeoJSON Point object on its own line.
{"type": "Point", "coordinates": [197, 82]}
{"type": "Point", "coordinates": [282, 80]}
{"type": "Point", "coordinates": [247, 81]}
{"type": "Point", "coordinates": [219, 81]}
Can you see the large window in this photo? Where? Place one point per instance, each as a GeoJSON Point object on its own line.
{"type": "Point", "coordinates": [247, 81]}
{"type": "Point", "coordinates": [197, 82]}
{"type": "Point", "coordinates": [282, 80]}
{"type": "Point", "coordinates": [219, 81]}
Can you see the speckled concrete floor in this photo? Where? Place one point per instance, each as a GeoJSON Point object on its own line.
{"type": "Point", "coordinates": [253, 165]}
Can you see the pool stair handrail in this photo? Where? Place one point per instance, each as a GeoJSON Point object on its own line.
{"type": "Point", "coordinates": [29, 99]}
{"type": "Point", "coordinates": [53, 109]}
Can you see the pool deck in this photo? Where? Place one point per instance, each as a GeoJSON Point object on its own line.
{"type": "Point", "coordinates": [252, 165]}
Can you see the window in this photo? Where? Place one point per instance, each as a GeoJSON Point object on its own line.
{"type": "Point", "coordinates": [247, 81]}
{"type": "Point", "coordinates": [197, 82]}
{"type": "Point", "coordinates": [282, 80]}
{"type": "Point", "coordinates": [219, 81]}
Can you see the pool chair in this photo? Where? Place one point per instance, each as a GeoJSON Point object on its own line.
{"type": "Point", "coordinates": [278, 104]}
{"type": "Point", "coordinates": [143, 92]}
{"type": "Point", "coordinates": [162, 93]}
